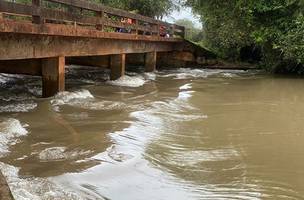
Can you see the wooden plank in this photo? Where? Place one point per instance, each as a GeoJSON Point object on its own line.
{"type": "Point", "coordinates": [65, 16]}
{"type": "Point", "coordinates": [9, 26]}
{"type": "Point", "coordinates": [45, 13]}
{"type": "Point", "coordinates": [26, 46]}
{"type": "Point", "coordinates": [40, 13]}
{"type": "Point", "coordinates": [8, 7]}
{"type": "Point", "coordinates": [113, 11]}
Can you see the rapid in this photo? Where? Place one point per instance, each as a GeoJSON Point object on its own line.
{"type": "Point", "coordinates": [173, 134]}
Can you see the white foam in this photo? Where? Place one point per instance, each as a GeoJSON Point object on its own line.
{"type": "Point", "coordinates": [187, 73]}
{"type": "Point", "coordinates": [129, 81]}
{"type": "Point", "coordinates": [150, 76]}
{"type": "Point", "coordinates": [19, 107]}
{"type": "Point", "coordinates": [4, 78]}
{"type": "Point", "coordinates": [186, 86]}
{"type": "Point", "coordinates": [34, 188]}
{"type": "Point", "coordinates": [54, 153]}
{"type": "Point", "coordinates": [185, 95]}
{"type": "Point", "coordinates": [66, 97]}
{"type": "Point", "coordinates": [59, 153]}
{"type": "Point", "coordinates": [84, 99]}
{"type": "Point", "coordinates": [10, 130]}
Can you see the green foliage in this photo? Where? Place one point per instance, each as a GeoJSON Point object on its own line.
{"type": "Point", "coordinates": [192, 33]}
{"type": "Point", "coordinates": [155, 8]}
{"type": "Point", "coordinates": [277, 26]}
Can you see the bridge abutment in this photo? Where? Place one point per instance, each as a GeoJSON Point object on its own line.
{"type": "Point", "coordinates": [53, 76]}
{"type": "Point", "coordinates": [117, 66]}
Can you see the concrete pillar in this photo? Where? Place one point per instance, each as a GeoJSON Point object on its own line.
{"type": "Point", "coordinates": [118, 65]}
{"type": "Point", "coordinates": [150, 61]}
{"type": "Point", "coordinates": [53, 76]}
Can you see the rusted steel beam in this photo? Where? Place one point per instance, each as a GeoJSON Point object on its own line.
{"type": "Point", "coordinates": [53, 76]}
{"type": "Point", "coordinates": [150, 61]}
{"type": "Point", "coordinates": [117, 65]}
{"type": "Point", "coordinates": [27, 67]}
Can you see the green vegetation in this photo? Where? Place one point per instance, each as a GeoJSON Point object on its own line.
{"type": "Point", "coordinates": [155, 8]}
{"type": "Point", "coordinates": [193, 33]}
{"type": "Point", "coordinates": [274, 27]}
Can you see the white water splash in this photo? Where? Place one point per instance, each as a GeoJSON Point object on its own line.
{"type": "Point", "coordinates": [85, 100]}
{"type": "Point", "coordinates": [186, 86]}
{"type": "Point", "coordinates": [187, 73]}
{"type": "Point", "coordinates": [10, 130]}
{"type": "Point", "coordinates": [129, 81]}
{"type": "Point", "coordinates": [18, 107]}
{"type": "Point", "coordinates": [59, 153]}
{"type": "Point", "coordinates": [67, 97]}
{"type": "Point", "coordinates": [34, 188]}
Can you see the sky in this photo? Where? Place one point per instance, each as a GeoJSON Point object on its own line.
{"type": "Point", "coordinates": [182, 14]}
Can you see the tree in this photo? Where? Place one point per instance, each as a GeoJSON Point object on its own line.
{"type": "Point", "coordinates": [276, 26]}
{"type": "Point", "coordinates": [155, 8]}
{"type": "Point", "coordinates": [192, 33]}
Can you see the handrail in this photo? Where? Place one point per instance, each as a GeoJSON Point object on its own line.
{"type": "Point", "coordinates": [101, 18]}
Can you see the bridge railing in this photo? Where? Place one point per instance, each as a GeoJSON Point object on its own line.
{"type": "Point", "coordinates": [90, 15]}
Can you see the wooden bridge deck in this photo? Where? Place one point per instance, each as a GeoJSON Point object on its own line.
{"type": "Point", "coordinates": [36, 38]}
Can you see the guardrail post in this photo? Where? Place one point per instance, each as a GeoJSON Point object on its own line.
{"type": "Point", "coordinates": [172, 30]}
{"type": "Point", "coordinates": [36, 17]}
{"type": "Point", "coordinates": [137, 24]}
{"type": "Point", "coordinates": [183, 32]}
{"type": "Point", "coordinates": [100, 26]}
{"type": "Point", "coordinates": [158, 30]}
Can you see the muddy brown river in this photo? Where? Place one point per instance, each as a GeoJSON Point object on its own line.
{"type": "Point", "coordinates": [179, 134]}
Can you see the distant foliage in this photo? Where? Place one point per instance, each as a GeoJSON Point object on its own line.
{"type": "Point", "coordinates": [193, 33]}
{"type": "Point", "coordinates": [275, 26]}
{"type": "Point", "coordinates": [155, 8]}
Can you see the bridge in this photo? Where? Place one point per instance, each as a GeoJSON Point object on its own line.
{"type": "Point", "coordinates": [39, 37]}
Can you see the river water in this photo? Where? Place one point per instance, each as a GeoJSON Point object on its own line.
{"type": "Point", "coordinates": [176, 134]}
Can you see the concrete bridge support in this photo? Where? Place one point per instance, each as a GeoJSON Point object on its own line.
{"type": "Point", "coordinates": [53, 76]}
{"type": "Point", "coordinates": [150, 61]}
{"type": "Point", "coordinates": [118, 66]}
